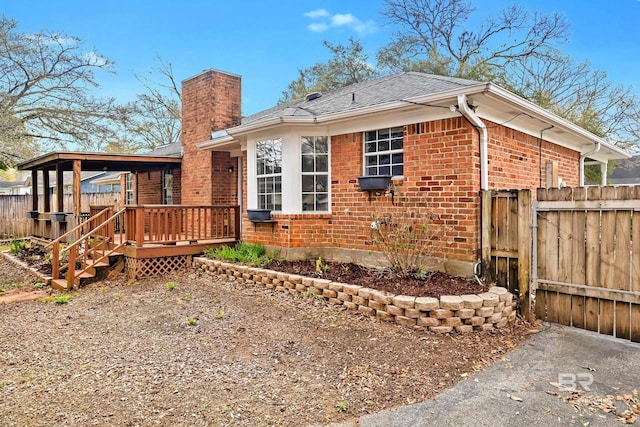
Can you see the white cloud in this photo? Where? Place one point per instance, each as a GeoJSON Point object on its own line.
{"type": "Point", "coordinates": [318, 27]}
{"type": "Point", "coordinates": [324, 21]}
{"type": "Point", "coordinates": [319, 13]}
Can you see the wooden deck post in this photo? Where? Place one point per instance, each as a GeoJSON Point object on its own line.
{"type": "Point", "coordinates": [524, 251]}
{"type": "Point", "coordinates": [77, 189]}
{"type": "Point", "coordinates": [34, 190]}
{"type": "Point", "coordinates": [236, 210]}
{"type": "Point", "coordinates": [139, 215]}
{"type": "Point", "coordinates": [485, 231]}
{"type": "Point", "coordinates": [59, 189]}
{"type": "Point", "coordinates": [45, 186]}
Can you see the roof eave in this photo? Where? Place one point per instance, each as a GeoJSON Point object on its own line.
{"type": "Point", "coordinates": [553, 119]}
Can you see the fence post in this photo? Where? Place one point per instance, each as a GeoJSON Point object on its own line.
{"type": "Point", "coordinates": [485, 231]}
{"type": "Point", "coordinates": [524, 251]}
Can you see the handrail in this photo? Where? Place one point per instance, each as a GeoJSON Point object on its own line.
{"type": "Point", "coordinates": [73, 248]}
{"type": "Point", "coordinates": [76, 228]}
{"type": "Point", "coordinates": [95, 230]}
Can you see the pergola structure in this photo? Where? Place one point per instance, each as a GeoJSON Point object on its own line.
{"type": "Point", "coordinates": [76, 162]}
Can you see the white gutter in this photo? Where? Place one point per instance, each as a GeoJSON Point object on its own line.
{"type": "Point", "coordinates": [582, 157]}
{"type": "Point", "coordinates": [463, 107]}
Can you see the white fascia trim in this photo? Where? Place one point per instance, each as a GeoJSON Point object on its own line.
{"type": "Point", "coordinates": [214, 143]}
{"type": "Point", "coordinates": [551, 118]}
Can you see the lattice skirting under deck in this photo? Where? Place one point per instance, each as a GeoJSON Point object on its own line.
{"type": "Point", "coordinates": [149, 267]}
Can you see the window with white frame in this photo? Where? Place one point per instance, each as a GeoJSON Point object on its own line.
{"type": "Point", "coordinates": [315, 173]}
{"type": "Point", "coordinates": [383, 151]}
{"type": "Point", "coordinates": [269, 173]}
{"type": "Point", "coordinates": [167, 187]}
{"type": "Point", "coordinates": [128, 189]}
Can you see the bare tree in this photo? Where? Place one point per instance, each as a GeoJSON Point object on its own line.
{"type": "Point", "coordinates": [433, 36]}
{"type": "Point", "coordinates": [348, 65]}
{"type": "Point", "coordinates": [155, 117]}
{"type": "Point", "coordinates": [580, 94]}
{"type": "Point", "coordinates": [46, 80]}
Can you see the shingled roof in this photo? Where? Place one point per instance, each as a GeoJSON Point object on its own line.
{"type": "Point", "coordinates": [391, 88]}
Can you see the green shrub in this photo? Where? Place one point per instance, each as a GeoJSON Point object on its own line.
{"type": "Point", "coordinates": [246, 253]}
{"type": "Point", "coordinates": [16, 247]}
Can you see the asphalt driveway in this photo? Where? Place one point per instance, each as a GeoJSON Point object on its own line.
{"type": "Point", "coordinates": [532, 386]}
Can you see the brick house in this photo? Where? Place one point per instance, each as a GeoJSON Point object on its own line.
{"type": "Point", "coordinates": [441, 140]}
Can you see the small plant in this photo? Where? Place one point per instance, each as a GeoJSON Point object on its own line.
{"type": "Point", "coordinates": [246, 253]}
{"type": "Point", "coordinates": [171, 285]}
{"type": "Point", "coordinates": [16, 247]}
{"type": "Point", "coordinates": [220, 314]}
{"type": "Point", "coordinates": [408, 238]}
{"type": "Point", "coordinates": [119, 295]}
{"type": "Point", "coordinates": [309, 294]}
{"type": "Point", "coordinates": [321, 266]}
{"type": "Point", "coordinates": [341, 407]}
{"type": "Point", "coordinates": [192, 321]}
{"type": "Point", "coordinates": [61, 299]}
{"type": "Point", "coordinates": [38, 285]}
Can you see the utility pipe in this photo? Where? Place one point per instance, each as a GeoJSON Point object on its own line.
{"type": "Point", "coordinates": [470, 115]}
{"type": "Point", "coordinates": [582, 157]}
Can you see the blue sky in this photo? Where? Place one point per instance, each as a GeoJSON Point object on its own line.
{"type": "Point", "coordinates": [267, 41]}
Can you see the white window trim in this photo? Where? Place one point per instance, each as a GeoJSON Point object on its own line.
{"type": "Point", "coordinates": [390, 152]}
{"type": "Point", "coordinates": [328, 173]}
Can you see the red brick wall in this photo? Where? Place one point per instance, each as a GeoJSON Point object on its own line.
{"type": "Point", "coordinates": [210, 102]}
{"type": "Point", "coordinates": [514, 160]}
{"type": "Point", "coordinates": [149, 187]}
{"type": "Point", "coordinates": [441, 176]}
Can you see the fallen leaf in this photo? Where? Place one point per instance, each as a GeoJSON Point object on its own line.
{"type": "Point", "coordinates": [516, 398]}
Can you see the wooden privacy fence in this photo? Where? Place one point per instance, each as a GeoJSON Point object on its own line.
{"type": "Point", "coordinates": [506, 241]}
{"type": "Point", "coordinates": [13, 210]}
{"type": "Point", "coordinates": [587, 254]}
{"type": "Point", "coordinates": [575, 250]}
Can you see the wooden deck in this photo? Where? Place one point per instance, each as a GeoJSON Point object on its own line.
{"type": "Point", "coordinates": [152, 239]}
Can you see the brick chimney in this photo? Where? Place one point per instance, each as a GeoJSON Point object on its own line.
{"type": "Point", "coordinates": [210, 102]}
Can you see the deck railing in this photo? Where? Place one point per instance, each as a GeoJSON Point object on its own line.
{"type": "Point", "coordinates": [168, 224]}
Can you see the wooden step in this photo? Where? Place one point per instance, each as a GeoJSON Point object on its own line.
{"type": "Point", "coordinates": [92, 263]}
{"type": "Point", "coordinates": [59, 284]}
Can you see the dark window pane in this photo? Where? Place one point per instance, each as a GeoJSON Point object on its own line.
{"type": "Point", "coordinates": [370, 147]}
{"type": "Point", "coordinates": [322, 145]}
{"type": "Point", "coordinates": [396, 158]}
{"type": "Point", "coordinates": [372, 160]}
{"type": "Point", "coordinates": [397, 132]}
{"type": "Point", "coordinates": [370, 136]}
{"type": "Point", "coordinates": [384, 159]}
{"type": "Point", "coordinates": [372, 171]}
{"type": "Point", "coordinates": [307, 163]}
{"type": "Point", "coordinates": [322, 202]}
{"type": "Point", "coordinates": [307, 145]}
{"type": "Point", "coordinates": [321, 183]}
{"type": "Point", "coordinates": [385, 170]}
{"type": "Point", "coordinates": [397, 170]}
{"type": "Point", "coordinates": [383, 134]}
{"type": "Point", "coordinates": [307, 183]}
{"type": "Point", "coordinates": [396, 144]}
{"type": "Point", "coordinates": [307, 202]}
{"type": "Point", "coordinates": [277, 185]}
{"type": "Point", "coordinates": [383, 146]}
{"type": "Point", "coordinates": [322, 163]}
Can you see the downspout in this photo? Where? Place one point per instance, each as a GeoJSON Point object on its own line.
{"type": "Point", "coordinates": [470, 115]}
{"type": "Point", "coordinates": [582, 158]}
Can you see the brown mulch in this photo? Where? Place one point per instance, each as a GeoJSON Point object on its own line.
{"type": "Point", "coordinates": [125, 353]}
{"type": "Point", "coordinates": [434, 284]}
{"type": "Point", "coordinates": [34, 256]}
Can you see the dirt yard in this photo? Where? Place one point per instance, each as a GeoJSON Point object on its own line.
{"type": "Point", "coordinates": [198, 350]}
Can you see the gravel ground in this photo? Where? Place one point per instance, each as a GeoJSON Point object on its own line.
{"type": "Point", "coordinates": [125, 354]}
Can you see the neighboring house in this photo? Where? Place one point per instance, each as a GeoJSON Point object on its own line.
{"type": "Point", "coordinates": [14, 182]}
{"type": "Point", "coordinates": [109, 182]}
{"type": "Point", "coordinates": [441, 139]}
{"type": "Point", "coordinates": [625, 172]}
{"type": "Point", "coordinates": [86, 182]}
